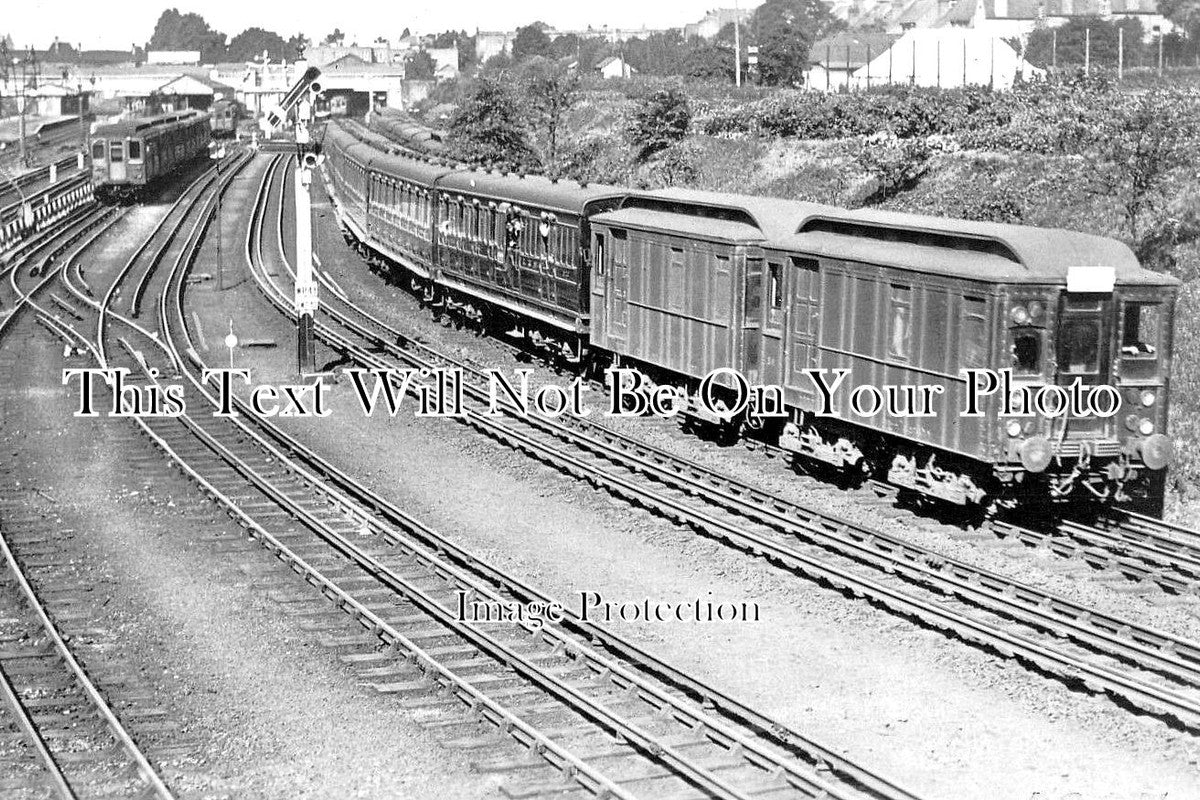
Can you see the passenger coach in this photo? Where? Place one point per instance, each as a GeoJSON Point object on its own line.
{"type": "Point", "coordinates": [129, 156]}
{"type": "Point", "coordinates": [678, 283]}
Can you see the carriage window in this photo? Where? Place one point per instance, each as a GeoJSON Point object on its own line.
{"type": "Point", "coordinates": [98, 150]}
{"type": "Point", "coordinates": [775, 288]}
{"type": "Point", "coordinates": [1141, 334]}
{"type": "Point", "coordinates": [116, 152]}
{"type": "Point", "coordinates": [1079, 345]}
{"type": "Point", "coordinates": [599, 255]}
{"type": "Point", "coordinates": [974, 343]}
{"type": "Point", "coordinates": [135, 150]}
{"type": "Point", "coordinates": [900, 322]}
{"type": "Point", "coordinates": [1027, 353]}
{"type": "Point", "coordinates": [754, 271]}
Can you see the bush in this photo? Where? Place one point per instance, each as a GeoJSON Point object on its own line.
{"type": "Point", "coordinates": [659, 120]}
{"type": "Point", "coordinates": [894, 166]}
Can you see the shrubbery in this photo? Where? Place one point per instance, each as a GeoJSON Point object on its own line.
{"type": "Point", "coordinates": [1062, 117]}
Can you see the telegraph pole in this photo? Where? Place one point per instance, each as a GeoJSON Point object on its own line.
{"type": "Point", "coordinates": [737, 44]}
{"type": "Point", "coordinates": [83, 128]}
{"type": "Point", "coordinates": [21, 111]}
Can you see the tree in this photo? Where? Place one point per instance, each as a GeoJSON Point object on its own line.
{"type": "Point", "coordinates": [708, 62]}
{"type": "Point", "coordinates": [176, 31]}
{"type": "Point", "coordinates": [250, 44]}
{"type": "Point", "coordinates": [550, 93]}
{"type": "Point", "coordinates": [531, 41]}
{"type": "Point", "coordinates": [489, 127]}
{"type": "Point", "coordinates": [335, 38]}
{"type": "Point", "coordinates": [1149, 137]}
{"type": "Point", "coordinates": [298, 44]}
{"type": "Point", "coordinates": [1184, 13]}
{"type": "Point", "coordinates": [1070, 43]}
{"type": "Point", "coordinates": [784, 31]}
{"type": "Point", "coordinates": [565, 46]}
{"type": "Point", "coordinates": [659, 120]}
{"type": "Point", "coordinates": [420, 66]}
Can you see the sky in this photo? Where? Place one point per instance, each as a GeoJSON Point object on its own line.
{"type": "Point", "coordinates": [117, 25]}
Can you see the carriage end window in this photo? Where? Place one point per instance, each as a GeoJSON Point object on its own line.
{"type": "Point", "coordinates": [1079, 347]}
{"type": "Point", "coordinates": [116, 152]}
{"type": "Point", "coordinates": [775, 285]}
{"type": "Point", "coordinates": [1027, 353]}
{"type": "Point", "coordinates": [135, 150]}
{"type": "Point", "coordinates": [1141, 331]}
{"type": "Point", "coordinates": [98, 150]}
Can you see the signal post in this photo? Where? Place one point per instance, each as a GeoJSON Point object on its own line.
{"type": "Point", "coordinates": [305, 298]}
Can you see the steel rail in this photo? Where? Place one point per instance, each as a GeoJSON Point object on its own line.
{"type": "Point", "coordinates": [147, 773]}
{"type": "Point", "coordinates": [24, 720]}
{"type": "Point", "coordinates": [602, 666]}
{"type": "Point", "coordinates": [584, 774]}
{"type": "Point", "coordinates": [766, 726]}
{"type": "Point", "coordinates": [1055, 615]}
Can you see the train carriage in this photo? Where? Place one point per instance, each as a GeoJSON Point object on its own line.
{"type": "Point", "coordinates": [348, 170]}
{"type": "Point", "coordinates": [677, 283]}
{"type": "Point", "coordinates": [905, 300]}
{"type": "Point", "coordinates": [517, 243]}
{"type": "Point", "coordinates": [226, 115]}
{"type": "Point", "coordinates": [678, 280]}
{"type": "Point", "coordinates": [401, 209]}
{"type": "Point", "coordinates": [129, 156]}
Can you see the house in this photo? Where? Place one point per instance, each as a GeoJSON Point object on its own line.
{"type": "Point", "coordinates": [379, 53]}
{"type": "Point", "coordinates": [947, 57]}
{"type": "Point", "coordinates": [715, 20]}
{"type": "Point", "coordinates": [831, 61]}
{"type": "Point", "coordinates": [56, 100]}
{"type": "Point", "coordinates": [445, 62]}
{"type": "Point", "coordinates": [189, 91]}
{"type": "Point", "coordinates": [493, 43]}
{"type": "Point", "coordinates": [614, 67]}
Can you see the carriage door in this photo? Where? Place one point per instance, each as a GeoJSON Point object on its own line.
{"type": "Point", "coordinates": [116, 160]}
{"type": "Point", "coordinates": [774, 314]}
{"type": "Point", "coordinates": [1083, 353]}
{"type": "Point", "coordinates": [804, 322]}
{"type": "Point", "coordinates": [752, 317]}
{"type": "Point", "coordinates": [597, 281]}
{"type": "Point", "coordinates": [612, 283]}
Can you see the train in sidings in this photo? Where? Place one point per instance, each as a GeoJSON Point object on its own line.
{"type": "Point", "coordinates": [678, 283]}
{"type": "Point", "coordinates": [128, 156]}
{"type": "Point", "coordinates": [226, 116]}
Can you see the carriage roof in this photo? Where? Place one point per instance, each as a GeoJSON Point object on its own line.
{"type": "Point", "coordinates": [144, 125]}
{"type": "Point", "coordinates": [537, 191]}
{"type": "Point", "coordinates": [987, 251]}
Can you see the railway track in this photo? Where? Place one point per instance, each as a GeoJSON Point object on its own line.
{"type": "Point", "coordinates": [1147, 669]}
{"type": "Point", "coordinates": [589, 705]}
{"type": "Point", "coordinates": [71, 741]}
